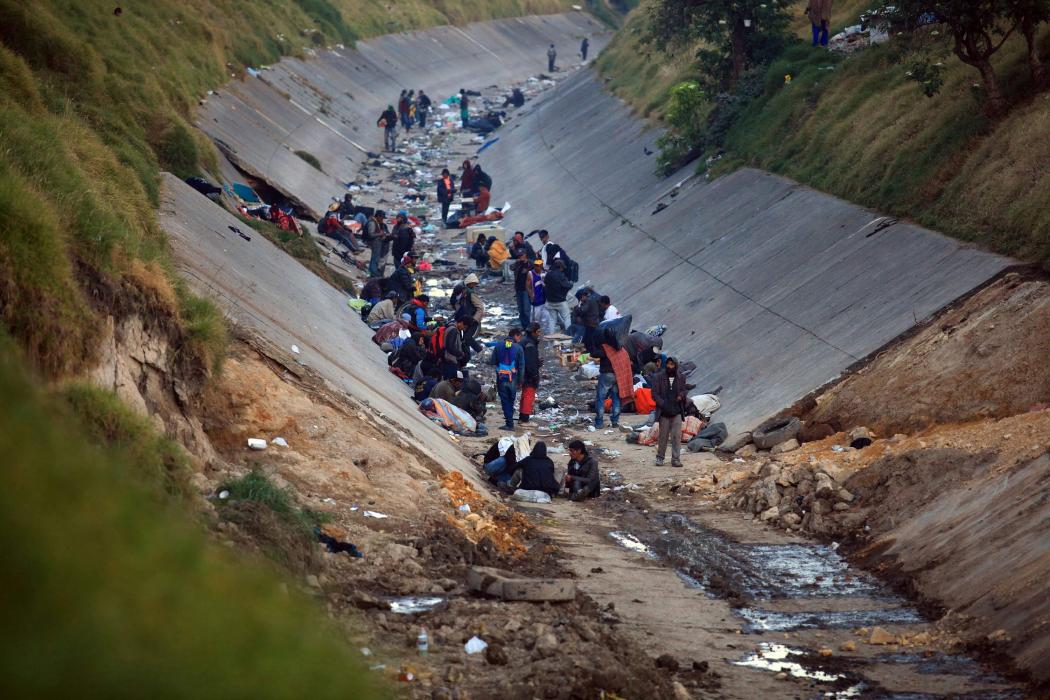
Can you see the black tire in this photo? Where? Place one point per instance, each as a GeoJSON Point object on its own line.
{"type": "Point", "coordinates": [775, 431]}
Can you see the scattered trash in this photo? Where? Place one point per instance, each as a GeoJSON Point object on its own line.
{"type": "Point", "coordinates": [256, 443]}
{"type": "Point", "coordinates": [412, 605]}
{"type": "Point", "coordinates": [531, 496]}
{"type": "Point", "coordinates": [365, 651]}
{"type": "Point", "coordinates": [295, 349]}
{"type": "Point", "coordinates": [280, 441]}
{"type": "Point", "coordinates": [626, 539]}
{"type": "Point", "coordinates": [223, 495]}
{"type": "Point", "coordinates": [476, 645]}
{"type": "Point", "coordinates": [465, 508]}
{"type": "Point", "coordinates": [374, 514]}
{"type": "Point", "coordinates": [422, 642]}
{"type": "Point", "coordinates": [838, 448]}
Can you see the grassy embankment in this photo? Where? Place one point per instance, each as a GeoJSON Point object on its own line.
{"type": "Point", "coordinates": [109, 587]}
{"type": "Point", "coordinates": [858, 128]}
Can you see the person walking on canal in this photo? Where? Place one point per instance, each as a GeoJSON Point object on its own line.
{"type": "Point", "coordinates": [446, 192]}
{"type": "Point", "coordinates": [388, 121]}
{"type": "Point", "coordinates": [509, 359]}
{"type": "Point", "coordinates": [669, 394]}
{"type": "Point", "coordinates": [552, 54]}
{"type": "Point", "coordinates": [531, 382]}
{"type": "Point", "coordinates": [584, 45]}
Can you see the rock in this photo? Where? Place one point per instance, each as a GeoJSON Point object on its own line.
{"type": "Point", "coordinates": [496, 655]}
{"type": "Point", "coordinates": [441, 694]}
{"type": "Point", "coordinates": [472, 518]}
{"type": "Point", "coordinates": [999, 636]}
{"type": "Point", "coordinates": [746, 451]}
{"type": "Point", "coordinates": [736, 442]}
{"type": "Point", "coordinates": [769, 469]}
{"type": "Point", "coordinates": [824, 651]}
{"type": "Point", "coordinates": [400, 552]}
{"type": "Point", "coordinates": [783, 447]}
{"type": "Point", "coordinates": [781, 676]}
{"type": "Point", "coordinates": [881, 636]}
{"type": "Point", "coordinates": [848, 646]}
{"type": "Point", "coordinates": [805, 487]}
{"type": "Point", "coordinates": [312, 581]}
{"type": "Point", "coordinates": [680, 693]}
{"type": "Point", "coordinates": [860, 433]}
{"type": "Point", "coordinates": [820, 507]}
{"type": "Point", "coordinates": [701, 666]}
{"type": "Point", "coordinates": [366, 601]}
{"type": "Point", "coordinates": [546, 644]}
{"type": "Point", "coordinates": [454, 674]}
{"type": "Point", "coordinates": [790, 519]}
{"type": "Point", "coordinates": [771, 513]}
{"type": "Point", "coordinates": [844, 496]}
{"type": "Point", "coordinates": [841, 507]}
{"type": "Point", "coordinates": [825, 487]}
{"type": "Point", "coordinates": [667, 662]}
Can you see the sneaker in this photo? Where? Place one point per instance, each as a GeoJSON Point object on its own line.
{"type": "Point", "coordinates": [524, 419]}
{"type": "Point", "coordinates": [614, 424]}
{"type": "Point", "coordinates": [676, 464]}
{"type": "Point", "coordinates": [659, 462]}
{"type": "Point", "coordinates": [507, 426]}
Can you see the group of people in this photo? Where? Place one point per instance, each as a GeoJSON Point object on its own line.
{"type": "Point", "coordinates": [536, 471]}
{"type": "Point", "coordinates": [411, 109]}
{"type": "Point", "coordinates": [475, 189]}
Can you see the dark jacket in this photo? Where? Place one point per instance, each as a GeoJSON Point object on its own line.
{"type": "Point", "coordinates": [641, 347]}
{"type": "Point", "coordinates": [446, 194]}
{"type": "Point", "coordinates": [406, 357]}
{"type": "Point", "coordinates": [390, 116]}
{"type": "Point", "coordinates": [517, 249]}
{"type": "Point", "coordinates": [347, 208]}
{"type": "Point", "coordinates": [482, 179]}
{"type": "Point", "coordinates": [401, 282]}
{"type": "Point", "coordinates": [470, 400]}
{"type": "Point", "coordinates": [532, 361]}
{"type": "Point", "coordinates": [669, 394]}
{"type": "Point", "coordinates": [537, 471]}
{"type": "Point", "coordinates": [521, 275]}
{"type": "Point", "coordinates": [422, 103]}
{"type": "Point", "coordinates": [404, 238]}
{"type": "Point", "coordinates": [604, 365]}
{"type": "Point", "coordinates": [558, 286]}
{"type": "Point", "coordinates": [587, 313]}
{"type": "Point", "coordinates": [453, 344]}
{"type": "Point", "coordinates": [585, 477]}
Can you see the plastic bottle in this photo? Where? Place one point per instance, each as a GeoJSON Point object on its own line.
{"type": "Point", "coordinates": [423, 642]}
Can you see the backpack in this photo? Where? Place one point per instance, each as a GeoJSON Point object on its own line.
{"type": "Point", "coordinates": [572, 269]}
{"type": "Point", "coordinates": [436, 342]}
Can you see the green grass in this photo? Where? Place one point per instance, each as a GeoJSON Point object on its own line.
{"type": "Point", "coordinates": [311, 159]}
{"type": "Point", "coordinates": [860, 129]}
{"type": "Point", "coordinates": [110, 590]}
{"type": "Point", "coordinates": [257, 487]}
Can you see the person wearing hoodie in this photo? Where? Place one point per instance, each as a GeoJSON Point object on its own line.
{"type": "Point", "coordinates": [388, 120]}
{"type": "Point", "coordinates": [558, 287]}
{"type": "Point", "coordinates": [669, 394]}
{"type": "Point", "coordinates": [509, 360]}
{"type": "Point", "coordinates": [587, 315]}
{"type": "Point", "coordinates": [403, 236]}
{"type": "Point", "coordinates": [537, 472]}
{"type": "Point", "coordinates": [470, 398]}
{"type": "Point", "coordinates": [582, 479]}
{"type": "Point", "coordinates": [482, 179]}
{"type": "Point", "coordinates": [446, 192]}
{"type": "Point", "coordinates": [423, 104]}
{"type": "Point", "coordinates": [531, 346]}
{"type": "Point", "coordinates": [466, 180]}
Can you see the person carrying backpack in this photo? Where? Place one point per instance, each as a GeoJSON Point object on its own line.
{"type": "Point", "coordinates": [558, 288]}
{"type": "Point", "coordinates": [509, 360]}
{"type": "Point", "coordinates": [388, 122]}
{"type": "Point", "coordinates": [452, 348]}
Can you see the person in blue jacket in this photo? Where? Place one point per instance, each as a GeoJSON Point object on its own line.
{"type": "Point", "coordinates": [509, 359]}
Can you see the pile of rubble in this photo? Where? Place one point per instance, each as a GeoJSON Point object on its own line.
{"type": "Point", "coordinates": [794, 497]}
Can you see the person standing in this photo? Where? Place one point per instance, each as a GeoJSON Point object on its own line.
{"type": "Point", "coordinates": [531, 382]}
{"type": "Point", "coordinates": [819, 13]}
{"type": "Point", "coordinates": [538, 296]}
{"type": "Point", "coordinates": [557, 286]}
{"type": "Point", "coordinates": [587, 316]}
{"type": "Point", "coordinates": [607, 386]}
{"type": "Point", "coordinates": [375, 236]}
{"type": "Point", "coordinates": [550, 251]}
{"type": "Point", "coordinates": [388, 121]}
{"type": "Point", "coordinates": [411, 110]}
{"type": "Point", "coordinates": [471, 307]}
{"type": "Point", "coordinates": [509, 360]}
{"type": "Point", "coordinates": [466, 180]}
{"type": "Point", "coordinates": [552, 54]}
{"type": "Point", "coordinates": [403, 236]}
{"type": "Point", "coordinates": [446, 192]}
{"type": "Point", "coordinates": [455, 353]}
{"type": "Point", "coordinates": [582, 479]}
{"type": "Point", "coordinates": [522, 271]}
{"type": "Point", "coordinates": [464, 107]}
{"type": "Point", "coordinates": [669, 394]}
{"type": "Point", "coordinates": [584, 45]}
{"type": "Point", "coordinates": [423, 105]}
{"type": "Point", "coordinates": [403, 109]}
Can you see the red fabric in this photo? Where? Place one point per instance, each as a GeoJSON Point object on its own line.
{"type": "Point", "coordinates": [482, 201]}
{"type": "Point", "coordinates": [528, 397]}
{"type": "Point", "coordinates": [621, 364]}
{"type": "Point", "coordinates": [471, 220]}
{"type": "Point", "coordinates": [643, 401]}
{"type": "Point", "coordinates": [388, 331]}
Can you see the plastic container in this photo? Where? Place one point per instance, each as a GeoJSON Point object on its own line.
{"type": "Point", "coordinates": [423, 642]}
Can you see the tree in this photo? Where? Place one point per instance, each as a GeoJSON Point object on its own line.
{"type": "Point", "coordinates": [738, 34]}
{"type": "Point", "coordinates": [1029, 14]}
{"type": "Point", "coordinates": [979, 28]}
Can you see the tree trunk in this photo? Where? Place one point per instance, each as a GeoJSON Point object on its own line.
{"type": "Point", "coordinates": [738, 48]}
{"type": "Point", "coordinates": [1035, 64]}
{"type": "Point", "coordinates": [996, 103]}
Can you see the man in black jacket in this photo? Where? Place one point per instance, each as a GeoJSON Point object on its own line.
{"type": "Point", "coordinates": [522, 269]}
{"type": "Point", "coordinates": [455, 353]}
{"type": "Point", "coordinates": [558, 287]}
{"type": "Point", "coordinates": [587, 316]}
{"type": "Point", "coordinates": [422, 108]}
{"type": "Point", "coordinates": [669, 394]}
{"type": "Point", "coordinates": [583, 479]}
{"type": "Point", "coordinates": [470, 399]}
{"type": "Point", "coordinates": [446, 192]}
{"type": "Point", "coordinates": [403, 280]}
{"type": "Point", "coordinates": [388, 120]}
{"type": "Point", "coordinates": [531, 345]}
{"type": "Point", "coordinates": [482, 179]}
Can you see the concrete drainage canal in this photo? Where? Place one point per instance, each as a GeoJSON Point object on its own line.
{"type": "Point", "coordinates": [814, 618]}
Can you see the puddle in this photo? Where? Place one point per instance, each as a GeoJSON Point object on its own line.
{"type": "Point", "coordinates": [412, 605]}
{"type": "Point", "coordinates": [758, 620]}
{"type": "Point", "coordinates": [626, 539]}
{"type": "Point", "coordinates": [777, 658]}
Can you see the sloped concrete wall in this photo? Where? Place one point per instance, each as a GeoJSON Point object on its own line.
{"type": "Point", "coordinates": [772, 288]}
{"type": "Point", "coordinates": [330, 102]}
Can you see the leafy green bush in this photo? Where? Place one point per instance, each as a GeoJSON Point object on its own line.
{"type": "Point", "coordinates": [310, 158]}
{"type": "Point", "coordinates": [256, 486]}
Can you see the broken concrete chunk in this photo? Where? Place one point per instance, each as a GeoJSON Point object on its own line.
{"type": "Point", "coordinates": [509, 586]}
{"type": "Point", "coordinates": [783, 447]}
{"type": "Point", "coordinates": [881, 636]}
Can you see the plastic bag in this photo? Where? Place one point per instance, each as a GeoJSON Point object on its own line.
{"type": "Point", "coordinates": [617, 328]}
{"type": "Point", "coordinates": [475, 645]}
{"type": "Point", "coordinates": [531, 496]}
{"type": "Point", "coordinates": [706, 404]}
{"type": "Point", "coordinates": [589, 371]}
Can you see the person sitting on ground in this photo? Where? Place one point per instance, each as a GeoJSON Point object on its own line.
{"type": "Point", "coordinates": [497, 252]}
{"type": "Point", "coordinates": [582, 479]}
{"type": "Point", "coordinates": [471, 399]}
{"type": "Point", "coordinates": [372, 292]}
{"type": "Point", "coordinates": [383, 312]}
{"type": "Point", "coordinates": [500, 463]}
{"type": "Point", "coordinates": [388, 121]}
{"type": "Point", "coordinates": [516, 98]}
{"type": "Point", "coordinates": [558, 286]}
{"type": "Point", "coordinates": [332, 227]}
{"type": "Point", "coordinates": [454, 356]}
{"type": "Point", "coordinates": [537, 472]}
{"type": "Point", "coordinates": [531, 381]}
{"type": "Point", "coordinates": [406, 357]}
{"type": "Point", "coordinates": [447, 389]}
{"type": "Point", "coordinates": [414, 313]}
{"type": "Point", "coordinates": [403, 280]}
{"type": "Point", "coordinates": [609, 312]}
{"type": "Point", "coordinates": [347, 209]}
{"type": "Point", "coordinates": [429, 377]}
{"type": "Point", "coordinates": [446, 193]}
{"type": "Point", "coordinates": [669, 393]}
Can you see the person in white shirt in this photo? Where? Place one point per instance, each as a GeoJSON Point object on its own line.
{"type": "Point", "coordinates": [610, 312]}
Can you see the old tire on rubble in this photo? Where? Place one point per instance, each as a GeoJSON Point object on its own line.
{"type": "Point", "coordinates": [775, 431]}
